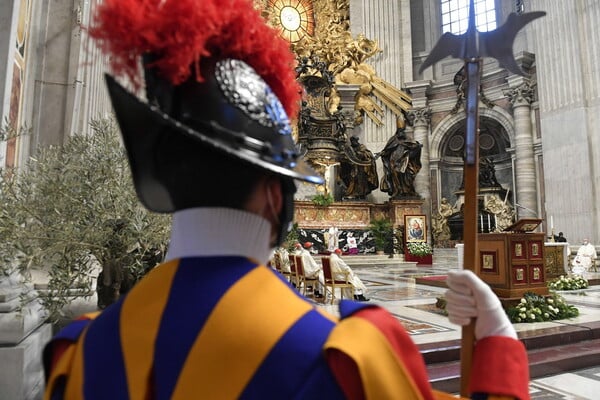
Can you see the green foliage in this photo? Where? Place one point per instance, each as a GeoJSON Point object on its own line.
{"type": "Point", "coordinates": [322, 200]}
{"type": "Point", "coordinates": [8, 130]}
{"type": "Point", "coordinates": [382, 230]}
{"type": "Point", "coordinates": [292, 238]}
{"type": "Point", "coordinates": [568, 283]}
{"type": "Point", "coordinates": [419, 249]}
{"type": "Point", "coordinates": [59, 212]}
{"type": "Point", "coordinates": [535, 308]}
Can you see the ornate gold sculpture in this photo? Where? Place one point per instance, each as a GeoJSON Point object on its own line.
{"type": "Point", "coordinates": [345, 57]}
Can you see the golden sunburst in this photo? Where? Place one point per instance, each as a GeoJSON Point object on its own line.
{"type": "Point", "coordinates": [295, 18]}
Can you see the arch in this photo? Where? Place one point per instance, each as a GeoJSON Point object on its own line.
{"type": "Point", "coordinates": [438, 135]}
{"type": "Point", "coordinates": [449, 166]}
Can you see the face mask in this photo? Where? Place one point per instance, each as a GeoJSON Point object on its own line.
{"type": "Point", "coordinates": [286, 216]}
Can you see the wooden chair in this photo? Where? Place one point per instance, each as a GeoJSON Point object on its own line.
{"type": "Point", "coordinates": [303, 280]}
{"type": "Point", "coordinates": [293, 273]}
{"type": "Point", "coordinates": [334, 283]}
{"type": "Point", "coordinates": [279, 266]}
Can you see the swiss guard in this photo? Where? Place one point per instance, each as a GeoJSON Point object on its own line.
{"type": "Point", "coordinates": [203, 91]}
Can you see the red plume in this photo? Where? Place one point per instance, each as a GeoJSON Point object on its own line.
{"type": "Point", "coordinates": [180, 34]}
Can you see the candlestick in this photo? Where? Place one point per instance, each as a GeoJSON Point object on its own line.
{"type": "Point", "coordinates": [495, 222]}
{"type": "Point", "coordinates": [481, 219]}
{"type": "Point", "coordinates": [489, 224]}
{"type": "Point", "coordinates": [551, 222]}
{"type": "Point", "coordinates": [506, 196]}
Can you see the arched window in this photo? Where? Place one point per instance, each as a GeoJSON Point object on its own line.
{"type": "Point", "coordinates": [455, 15]}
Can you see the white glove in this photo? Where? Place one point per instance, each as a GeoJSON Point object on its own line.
{"type": "Point", "coordinates": [469, 297]}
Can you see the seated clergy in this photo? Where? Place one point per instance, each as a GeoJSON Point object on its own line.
{"type": "Point", "coordinates": [341, 271]}
{"type": "Point", "coordinates": [585, 258]}
{"type": "Point", "coordinates": [311, 268]}
{"type": "Point", "coordinates": [352, 245]}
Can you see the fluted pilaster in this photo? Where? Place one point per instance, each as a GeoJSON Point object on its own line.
{"type": "Point", "coordinates": [388, 23]}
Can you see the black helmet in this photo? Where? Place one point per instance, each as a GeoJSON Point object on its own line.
{"type": "Point", "coordinates": [202, 85]}
{"type": "Point", "coordinates": [233, 111]}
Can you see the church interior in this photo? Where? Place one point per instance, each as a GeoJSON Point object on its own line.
{"type": "Point", "coordinates": [390, 138]}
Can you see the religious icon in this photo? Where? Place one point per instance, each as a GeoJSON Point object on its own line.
{"type": "Point", "coordinates": [536, 273]}
{"type": "Point", "coordinates": [518, 250]}
{"type": "Point", "coordinates": [519, 274]}
{"type": "Point", "coordinates": [488, 261]}
{"type": "Point", "coordinates": [534, 249]}
{"type": "Point", "coordinates": [415, 228]}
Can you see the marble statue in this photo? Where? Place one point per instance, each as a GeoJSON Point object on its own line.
{"type": "Point", "coordinates": [401, 159]}
{"type": "Point", "coordinates": [359, 179]}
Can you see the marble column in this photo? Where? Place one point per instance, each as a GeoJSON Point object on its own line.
{"type": "Point", "coordinates": [9, 12]}
{"type": "Point", "coordinates": [420, 119]}
{"type": "Point", "coordinates": [521, 95]}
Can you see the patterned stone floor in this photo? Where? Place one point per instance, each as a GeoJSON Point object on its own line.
{"type": "Point", "coordinates": [393, 286]}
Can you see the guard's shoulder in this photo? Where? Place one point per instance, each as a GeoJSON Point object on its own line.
{"type": "Point", "coordinates": [64, 339]}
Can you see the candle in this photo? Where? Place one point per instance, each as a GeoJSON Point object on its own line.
{"type": "Point", "coordinates": [489, 224]}
{"type": "Point", "coordinates": [481, 218]}
{"type": "Point", "coordinates": [495, 222]}
{"type": "Point", "coordinates": [506, 197]}
{"type": "Point", "coordinates": [551, 222]}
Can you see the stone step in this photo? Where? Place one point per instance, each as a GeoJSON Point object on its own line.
{"type": "Point", "coordinates": [550, 352]}
{"type": "Point", "coordinates": [441, 256]}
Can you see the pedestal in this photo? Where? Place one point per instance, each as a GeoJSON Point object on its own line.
{"type": "Point", "coordinates": [424, 260]}
{"type": "Point", "coordinates": [22, 374]}
{"type": "Point", "coordinates": [23, 336]}
{"type": "Point", "coordinates": [460, 252]}
{"type": "Point", "coordinates": [512, 263]}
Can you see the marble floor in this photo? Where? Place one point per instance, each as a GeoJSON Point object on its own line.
{"type": "Point", "coordinates": [393, 286]}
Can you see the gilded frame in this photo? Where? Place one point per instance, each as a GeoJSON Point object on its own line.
{"type": "Point", "coordinates": [415, 228]}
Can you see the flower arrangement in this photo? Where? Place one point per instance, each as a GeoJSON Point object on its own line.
{"type": "Point", "coordinates": [419, 249]}
{"type": "Point", "coordinates": [535, 308]}
{"type": "Point", "coordinates": [568, 283]}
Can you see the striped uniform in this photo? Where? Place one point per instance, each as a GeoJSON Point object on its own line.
{"type": "Point", "coordinates": [200, 328]}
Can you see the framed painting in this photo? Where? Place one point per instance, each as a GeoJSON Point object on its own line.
{"type": "Point", "coordinates": [415, 228]}
{"type": "Point", "coordinates": [488, 261]}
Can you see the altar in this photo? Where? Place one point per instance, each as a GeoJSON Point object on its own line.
{"type": "Point", "coordinates": [350, 217]}
{"type": "Point", "coordinates": [512, 262]}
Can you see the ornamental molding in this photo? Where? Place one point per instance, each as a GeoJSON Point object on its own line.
{"type": "Point", "coordinates": [522, 95]}
{"type": "Point", "coordinates": [420, 116]}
